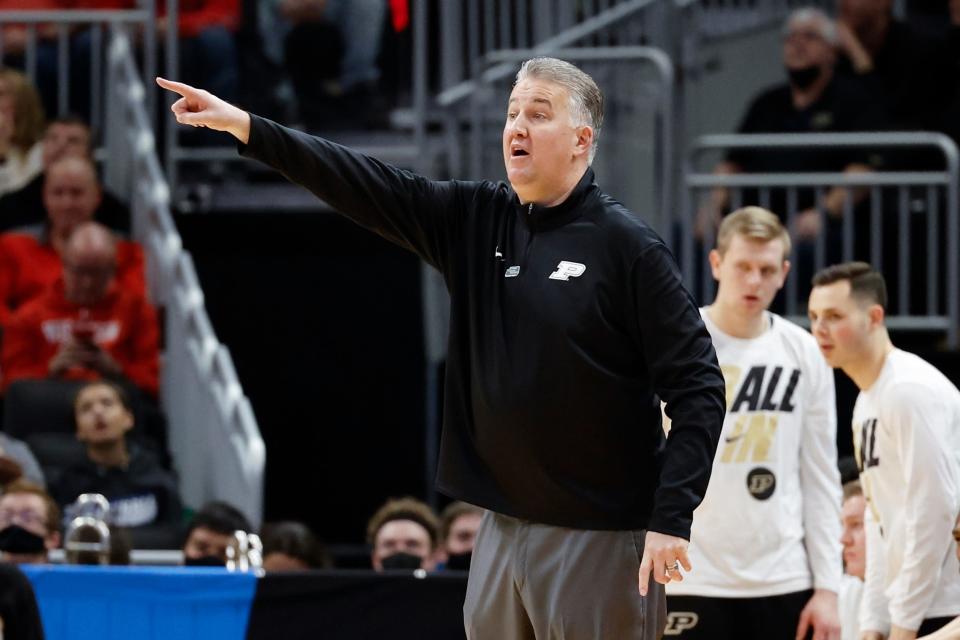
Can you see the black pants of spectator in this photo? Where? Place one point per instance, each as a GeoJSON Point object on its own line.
{"type": "Point", "coordinates": [769, 618]}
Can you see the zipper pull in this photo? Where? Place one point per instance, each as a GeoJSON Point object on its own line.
{"type": "Point", "coordinates": [530, 209]}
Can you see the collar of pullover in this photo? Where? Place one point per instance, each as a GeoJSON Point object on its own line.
{"type": "Point", "coordinates": [537, 217]}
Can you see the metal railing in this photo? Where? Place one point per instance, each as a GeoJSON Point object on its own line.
{"type": "Point", "coordinates": [538, 27]}
{"type": "Point", "coordinates": [213, 434]}
{"type": "Point", "coordinates": [92, 26]}
{"type": "Point", "coordinates": [892, 206]}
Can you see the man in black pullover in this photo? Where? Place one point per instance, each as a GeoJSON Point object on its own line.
{"type": "Point", "coordinates": [569, 324]}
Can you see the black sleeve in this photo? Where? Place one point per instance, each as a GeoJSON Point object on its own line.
{"type": "Point", "coordinates": [685, 374]}
{"type": "Point", "coordinates": [411, 211]}
{"type": "Point", "coordinates": [18, 606]}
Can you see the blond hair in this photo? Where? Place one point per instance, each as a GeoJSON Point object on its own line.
{"type": "Point", "coordinates": [754, 223]}
{"type": "Point", "coordinates": [29, 121]}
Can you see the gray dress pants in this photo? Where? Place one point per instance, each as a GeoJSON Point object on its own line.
{"type": "Point", "coordinates": [532, 581]}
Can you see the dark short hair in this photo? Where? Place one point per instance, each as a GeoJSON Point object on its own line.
{"type": "Point", "coordinates": [118, 389]}
{"type": "Point", "coordinates": [404, 509]}
{"type": "Point", "coordinates": [295, 540]}
{"type": "Point", "coordinates": [866, 283]}
{"type": "Point", "coordinates": [75, 120]}
{"type": "Point", "coordinates": [218, 516]}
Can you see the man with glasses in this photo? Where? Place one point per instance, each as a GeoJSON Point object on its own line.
{"type": "Point", "coordinates": [29, 524]}
{"type": "Point", "coordinates": [86, 326]}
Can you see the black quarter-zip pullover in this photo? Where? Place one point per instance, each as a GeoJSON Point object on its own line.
{"type": "Point", "coordinates": [569, 325]}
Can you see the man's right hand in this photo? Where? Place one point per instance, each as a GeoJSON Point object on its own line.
{"type": "Point", "coordinates": [200, 108]}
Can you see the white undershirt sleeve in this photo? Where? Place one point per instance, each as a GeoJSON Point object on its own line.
{"type": "Point", "coordinates": [930, 513]}
{"type": "Point", "coordinates": [820, 479]}
{"type": "Point", "coordinates": [874, 615]}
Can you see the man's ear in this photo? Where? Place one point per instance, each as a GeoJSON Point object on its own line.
{"type": "Point", "coordinates": [715, 260]}
{"type": "Point", "coordinates": [584, 140]}
{"type": "Point", "coordinates": [876, 314]}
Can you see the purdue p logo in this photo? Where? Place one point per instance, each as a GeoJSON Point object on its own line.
{"type": "Point", "coordinates": [566, 270]}
{"type": "Point", "coordinates": [680, 621]}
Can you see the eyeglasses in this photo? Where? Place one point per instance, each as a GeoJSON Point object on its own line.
{"type": "Point", "coordinates": [808, 35]}
{"type": "Point", "coordinates": [22, 517]}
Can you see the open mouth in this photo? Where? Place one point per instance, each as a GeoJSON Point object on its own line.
{"type": "Point", "coordinates": [518, 153]}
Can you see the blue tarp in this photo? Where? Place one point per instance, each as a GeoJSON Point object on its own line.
{"type": "Point", "coordinates": [176, 603]}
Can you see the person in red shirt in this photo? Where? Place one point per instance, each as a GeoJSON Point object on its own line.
{"type": "Point", "coordinates": [29, 263]}
{"type": "Point", "coordinates": [85, 326]}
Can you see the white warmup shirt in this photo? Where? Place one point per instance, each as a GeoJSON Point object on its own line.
{"type": "Point", "coordinates": [848, 604]}
{"type": "Point", "coordinates": [770, 521]}
{"type": "Point", "coordinates": [906, 436]}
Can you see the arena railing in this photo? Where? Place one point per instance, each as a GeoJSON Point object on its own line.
{"type": "Point", "coordinates": [213, 434]}
{"type": "Point", "coordinates": [93, 26]}
{"type": "Point", "coordinates": [891, 208]}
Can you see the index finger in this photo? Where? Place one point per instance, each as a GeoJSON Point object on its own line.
{"type": "Point", "coordinates": [644, 577]}
{"type": "Point", "coordinates": [177, 87]}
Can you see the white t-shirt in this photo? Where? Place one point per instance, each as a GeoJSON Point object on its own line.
{"type": "Point", "coordinates": [770, 521]}
{"type": "Point", "coordinates": [906, 436]}
{"type": "Point", "coordinates": [848, 604]}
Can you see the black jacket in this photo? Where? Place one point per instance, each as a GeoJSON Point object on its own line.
{"type": "Point", "coordinates": [568, 326]}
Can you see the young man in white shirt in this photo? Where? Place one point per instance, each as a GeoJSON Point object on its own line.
{"type": "Point", "coordinates": [766, 539]}
{"type": "Point", "coordinates": [906, 430]}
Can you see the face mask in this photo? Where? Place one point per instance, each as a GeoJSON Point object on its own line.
{"type": "Point", "coordinates": [204, 561]}
{"type": "Point", "coordinates": [459, 561]}
{"type": "Point", "coordinates": [402, 560]}
{"type": "Point", "coordinates": [16, 539]}
{"type": "Point", "coordinates": [803, 78]}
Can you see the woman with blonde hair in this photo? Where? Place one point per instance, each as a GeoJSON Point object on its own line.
{"type": "Point", "coordinates": [21, 129]}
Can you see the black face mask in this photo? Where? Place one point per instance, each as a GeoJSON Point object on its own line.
{"type": "Point", "coordinates": [459, 561]}
{"type": "Point", "coordinates": [402, 560]}
{"type": "Point", "coordinates": [803, 78]}
{"type": "Point", "coordinates": [204, 561]}
{"type": "Point", "coordinates": [16, 539]}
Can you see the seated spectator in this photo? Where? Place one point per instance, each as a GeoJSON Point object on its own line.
{"type": "Point", "coordinates": [30, 263]}
{"type": "Point", "coordinates": [17, 461]}
{"type": "Point", "coordinates": [459, 524]}
{"type": "Point", "coordinates": [854, 541]}
{"type": "Point", "coordinates": [813, 100]}
{"type": "Point", "coordinates": [404, 534]}
{"type": "Point", "coordinates": [65, 136]}
{"type": "Point", "coordinates": [21, 125]}
{"type": "Point", "coordinates": [19, 614]}
{"type": "Point", "coordinates": [29, 524]}
{"type": "Point", "coordinates": [143, 496]}
{"type": "Point", "coordinates": [306, 37]}
{"type": "Point", "coordinates": [86, 326]}
{"type": "Point", "coordinates": [291, 546]}
{"type": "Point", "coordinates": [210, 532]}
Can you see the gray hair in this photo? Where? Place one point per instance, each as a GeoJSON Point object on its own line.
{"type": "Point", "coordinates": [586, 100]}
{"type": "Point", "coordinates": [826, 26]}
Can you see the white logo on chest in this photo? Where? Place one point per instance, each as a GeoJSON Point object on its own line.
{"type": "Point", "coordinates": [566, 270]}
